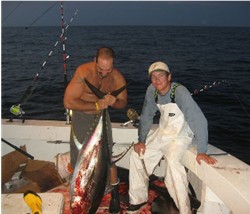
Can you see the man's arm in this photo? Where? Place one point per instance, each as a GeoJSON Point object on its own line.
{"type": "Point", "coordinates": [194, 117]}
{"type": "Point", "coordinates": [197, 122]}
{"type": "Point", "coordinates": [148, 112]}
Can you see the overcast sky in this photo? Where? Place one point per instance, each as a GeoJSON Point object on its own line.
{"type": "Point", "coordinates": [169, 13]}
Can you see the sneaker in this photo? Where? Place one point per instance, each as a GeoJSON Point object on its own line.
{"type": "Point", "coordinates": [135, 208]}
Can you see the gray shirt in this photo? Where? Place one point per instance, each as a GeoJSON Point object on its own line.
{"type": "Point", "coordinates": [192, 113]}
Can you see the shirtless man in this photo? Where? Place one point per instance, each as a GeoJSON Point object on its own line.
{"type": "Point", "coordinates": [87, 107]}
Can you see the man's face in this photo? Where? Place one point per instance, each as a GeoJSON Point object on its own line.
{"type": "Point", "coordinates": [104, 67]}
{"type": "Point", "coordinates": [160, 80]}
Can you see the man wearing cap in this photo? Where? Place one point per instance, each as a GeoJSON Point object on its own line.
{"type": "Point", "coordinates": [181, 122]}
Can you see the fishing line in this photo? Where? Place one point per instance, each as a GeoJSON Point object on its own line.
{"type": "Point", "coordinates": [46, 11]}
{"type": "Point", "coordinates": [241, 104]}
{"type": "Point", "coordinates": [12, 12]}
{"type": "Point", "coordinates": [16, 109]}
{"type": "Point", "coordinates": [206, 87]}
{"type": "Point", "coordinates": [26, 28]}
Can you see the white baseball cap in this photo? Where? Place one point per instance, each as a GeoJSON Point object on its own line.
{"type": "Point", "coordinates": [158, 66]}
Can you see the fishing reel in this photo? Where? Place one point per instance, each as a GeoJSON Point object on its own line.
{"type": "Point", "coordinates": [133, 118]}
{"type": "Point", "coordinates": [17, 111]}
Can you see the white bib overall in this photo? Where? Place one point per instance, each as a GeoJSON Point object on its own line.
{"type": "Point", "coordinates": [171, 139]}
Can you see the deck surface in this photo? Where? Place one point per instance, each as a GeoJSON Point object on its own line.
{"type": "Point", "coordinates": [103, 208]}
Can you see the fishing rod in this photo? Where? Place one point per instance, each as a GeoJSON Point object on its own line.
{"type": "Point", "coordinates": [18, 149]}
{"type": "Point", "coordinates": [67, 114]}
{"type": "Point", "coordinates": [64, 47]}
{"type": "Point", "coordinates": [16, 109]}
{"type": "Point", "coordinates": [206, 87]}
{"type": "Point", "coordinates": [134, 117]}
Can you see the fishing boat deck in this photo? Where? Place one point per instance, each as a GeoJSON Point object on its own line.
{"type": "Point", "coordinates": [225, 185]}
{"type": "Point", "coordinates": [104, 206]}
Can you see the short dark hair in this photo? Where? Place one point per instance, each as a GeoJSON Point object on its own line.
{"type": "Point", "coordinates": [106, 52]}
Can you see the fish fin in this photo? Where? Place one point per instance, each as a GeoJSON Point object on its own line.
{"type": "Point", "coordinates": [118, 91]}
{"type": "Point", "coordinates": [95, 90]}
{"type": "Point", "coordinates": [100, 94]}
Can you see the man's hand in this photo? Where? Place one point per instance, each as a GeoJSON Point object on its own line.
{"type": "Point", "coordinates": [206, 158]}
{"type": "Point", "coordinates": [110, 99]}
{"type": "Point", "coordinates": [139, 148]}
{"type": "Point", "coordinates": [102, 104]}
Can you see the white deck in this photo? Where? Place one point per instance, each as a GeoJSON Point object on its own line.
{"type": "Point", "coordinates": [223, 188]}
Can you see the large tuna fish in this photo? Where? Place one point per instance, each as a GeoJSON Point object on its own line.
{"type": "Point", "coordinates": [92, 167]}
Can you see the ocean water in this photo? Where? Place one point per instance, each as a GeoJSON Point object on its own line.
{"type": "Point", "coordinates": [197, 56]}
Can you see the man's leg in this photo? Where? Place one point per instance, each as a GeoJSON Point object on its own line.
{"type": "Point", "coordinates": [139, 172]}
{"type": "Point", "coordinates": [114, 206]}
{"type": "Point", "coordinates": [175, 175]}
{"type": "Point", "coordinates": [138, 176]}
